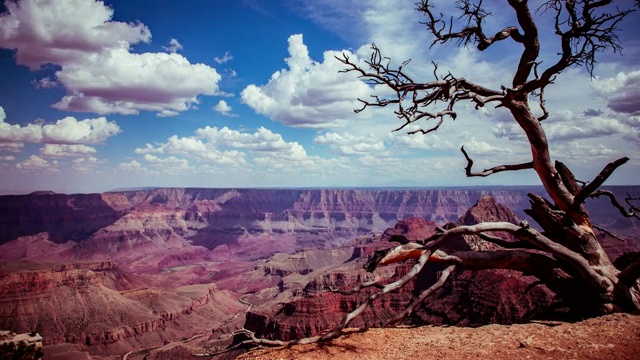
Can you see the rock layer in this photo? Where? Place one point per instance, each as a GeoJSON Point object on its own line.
{"type": "Point", "coordinates": [468, 298]}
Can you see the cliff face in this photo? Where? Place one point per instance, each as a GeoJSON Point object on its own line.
{"type": "Point", "coordinates": [106, 224]}
{"type": "Point", "coordinates": [64, 217]}
{"type": "Point", "coordinates": [468, 298]}
{"type": "Point", "coordinates": [95, 304]}
{"type": "Point", "coordinates": [278, 249]}
{"type": "Point", "coordinates": [115, 222]}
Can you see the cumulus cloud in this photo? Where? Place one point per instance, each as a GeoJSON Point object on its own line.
{"type": "Point", "coordinates": [58, 32]}
{"type": "Point", "coordinates": [430, 141]}
{"type": "Point", "coordinates": [97, 68]}
{"type": "Point", "coordinates": [223, 108]}
{"type": "Point", "coordinates": [65, 138]}
{"type": "Point", "coordinates": [622, 91]}
{"type": "Point", "coordinates": [167, 113]}
{"type": "Point", "coordinates": [226, 57]}
{"type": "Point", "coordinates": [86, 164]}
{"type": "Point", "coordinates": [482, 147]}
{"type": "Point", "coordinates": [45, 83]}
{"type": "Point", "coordinates": [65, 131]}
{"type": "Point", "coordinates": [118, 81]}
{"type": "Point", "coordinates": [37, 164]}
{"type": "Point", "coordinates": [168, 165]}
{"type": "Point", "coordinates": [234, 149]}
{"type": "Point", "coordinates": [87, 131]}
{"type": "Point", "coordinates": [66, 150]}
{"type": "Point", "coordinates": [16, 133]}
{"type": "Point", "coordinates": [309, 94]}
{"type": "Point", "coordinates": [132, 166]}
{"type": "Point", "coordinates": [576, 149]}
{"type": "Point", "coordinates": [348, 144]}
{"type": "Point", "coordinates": [566, 125]}
{"type": "Point", "coordinates": [261, 140]}
{"type": "Point", "coordinates": [196, 148]}
{"type": "Point", "coordinates": [173, 46]}
{"type": "Point", "coordinates": [13, 147]}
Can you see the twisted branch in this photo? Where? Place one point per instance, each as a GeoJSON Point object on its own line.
{"type": "Point", "coordinates": [493, 170]}
{"type": "Point", "coordinates": [597, 181]}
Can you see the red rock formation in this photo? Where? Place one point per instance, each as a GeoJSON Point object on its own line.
{"type": "Point", "coordinates": [242, 219]}
{"type": "Point", "coordinates": [168, 238]}
{"type": "Point", "coordinates": [86, 303]}
{"type": "Point", "coordinates": [469, 298]}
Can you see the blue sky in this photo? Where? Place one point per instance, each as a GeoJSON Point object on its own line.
{"type": "Point", "coordinates": [97, 96]}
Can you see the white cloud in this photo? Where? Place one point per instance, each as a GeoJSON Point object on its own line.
{"type": "Point", "coordinates": [238, 152]}
{"type": "Point", "coordinates": [348, 144]}
{"type": "Point", "coordinates": [16, 133]}
{"type": "Point", "coordinates": [169, 165]}
{"type": "Point", "coordinates": [37, 164]}
{"type": "Point", "coordinates": [588, 152]}
{"type": "Point", "coordinates": [86, 164]}
{"type": "Point", "coordinates": [429, 141]}
{"type": "Point", "coordinates": [621, 91]}
{"type": "Point", "coordinates": [97, 68]}
{"type": "Point", "coordinates": [65, 150]}
{"type": "Point", "coordinates": [117, 81]}
{"type": "Point", "coordinates": [223, 108]}
{"type": "Point", "coordinates": [261, 140]}
{"type": "Point", "coordinates": [482, 147]}
{"type": "Point", "coordinates": [391, 24]}
{"type": "Point", "coordinates": [167, 113]}
{"type": "Point", "coordinates": [309, 94]}
{"type": "Point", "coordinates": [226, 57]}
{"type": "Point", "coordinates": [7, 158]}
{"type": "Point", "coordinates": [567, 125]}
{"type": "Point", "coordinates": [173, 46]}
{"type": "Point", "coordinates": [45, 83]}
{"type": "Point", "coordinates": [62, 31]}
{"type": "Point", "coordinates": [14, 147]}
{"type": "Point", "coordinates": [65, 131]}
{"type": "Point", "coordinates": [131, 166]}
{"type": "Point", "coordinates": [194, 148]}
{"type": "Point", "coordinates": [87, 131]}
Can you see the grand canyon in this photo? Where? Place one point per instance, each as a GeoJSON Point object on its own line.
{"type": "Point", "coordinates": [154, 273]}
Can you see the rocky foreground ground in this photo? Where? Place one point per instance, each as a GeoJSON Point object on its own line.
{"type": "Point", "coordinates": [615, 336]}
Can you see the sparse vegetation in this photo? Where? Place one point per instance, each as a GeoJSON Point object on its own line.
{"type": "Point", "coordinates": [22, 351]}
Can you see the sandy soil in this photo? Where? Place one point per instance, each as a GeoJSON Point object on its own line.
{"type": "Point", "coordinates": [610, 337]}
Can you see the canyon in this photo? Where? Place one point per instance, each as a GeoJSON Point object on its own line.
{"type": "Point", "coordinates": [148, 272]}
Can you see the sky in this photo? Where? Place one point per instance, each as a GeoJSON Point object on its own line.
{"type": "Point", "coordinates": [97, 96]}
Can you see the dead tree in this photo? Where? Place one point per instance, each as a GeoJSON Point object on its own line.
{"type": "Point", "coordinates": [566, 255]}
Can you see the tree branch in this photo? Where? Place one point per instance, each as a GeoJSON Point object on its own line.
{"type": "Point", "coordinates": [597, 181]}
{"type": "Point", "coordinates": [529, 39]}
{"type": "Point", "coordinates": [630, 274]}
{"type": "Point", "coordinates": [632, 212]}
{"type": "Point", "coordinates": [471, 32]}
{"type": "Point", "coordinates": [607, 232]}
{"type": "Point", "coordinates": [415, 303]}
{"type": "Point", "coordinates": [416, 101]}
{"type": "Point", "coordinates": [584, 33]}
{"type": "Point", "coordinates": [493, 170]}
{"type": "Point", "coordinates": [505, 243]}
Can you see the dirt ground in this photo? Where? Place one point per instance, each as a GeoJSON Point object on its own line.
{"type": "Point", "coordinates": [614, 336]}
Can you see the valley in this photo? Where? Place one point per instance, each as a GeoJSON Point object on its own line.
{"type": "Point", "coordinates": [150, 273]}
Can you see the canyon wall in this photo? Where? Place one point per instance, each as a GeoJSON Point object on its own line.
{"type": "Point", "coordinates": [94, 304]}
{"type": "Point", "coordinates": [276, 249]}
{"type": "Point", "coordinates": [304, 306]}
